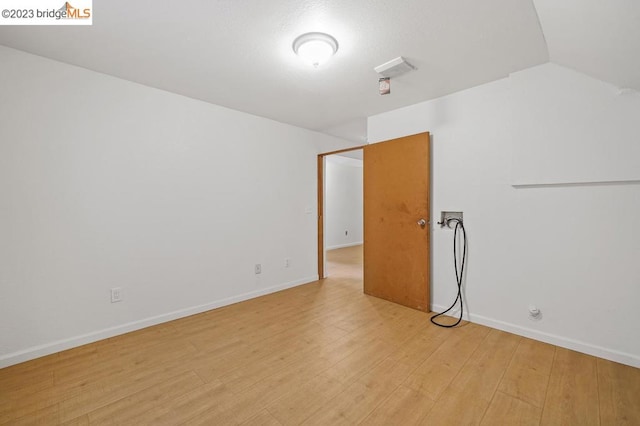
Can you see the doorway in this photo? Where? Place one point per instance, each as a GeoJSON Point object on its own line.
{"type": "Point", "coordinates": [344, 214]}
{"type": "Point", "coordinates": [332, 237]}
{"type": "Point", "coordinates": [396, 219]}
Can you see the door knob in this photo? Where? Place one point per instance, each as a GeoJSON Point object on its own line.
{"type": "Point", "coordinates": [422, 223]}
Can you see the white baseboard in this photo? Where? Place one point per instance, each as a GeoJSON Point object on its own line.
{"type": "Point", "coordinates": [72, 342]}
{"type": "Point", "coordinates": [564, 342]}
{"type": "Point", "coordinates": [357, 243]}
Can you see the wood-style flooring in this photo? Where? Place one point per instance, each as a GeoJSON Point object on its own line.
{"type": "Point", "coordinates": [320, 354]}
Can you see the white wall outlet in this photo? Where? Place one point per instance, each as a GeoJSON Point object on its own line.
{"type": "Point", "coordinates": [287, 262]}
{"type": "Point", "coordinates": [258, 269]}
{"type": "Point", "coordinates": [116, 294]}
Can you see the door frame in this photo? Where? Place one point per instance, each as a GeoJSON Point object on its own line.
{"type": "Point", "coordinates": [321, 185]}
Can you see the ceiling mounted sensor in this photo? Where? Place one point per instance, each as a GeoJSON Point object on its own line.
{"type": "Point", "coordinates": [394, 67]}
{"type": "Point", "coordinates": [315, 48]}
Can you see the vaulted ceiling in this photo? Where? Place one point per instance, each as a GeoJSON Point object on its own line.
{"type": "Point", "coordinates": [238, 53]}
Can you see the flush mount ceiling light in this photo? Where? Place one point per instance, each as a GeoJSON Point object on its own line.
{"type": "Point", "coordinates": [315, 48]}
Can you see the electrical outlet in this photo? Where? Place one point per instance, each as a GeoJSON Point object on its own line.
{"type": "Point", "coordinates": [258, 269]}
{"type": "Point", "coordinates": [116, 294]}
{"type": "Point", "coordinates": [287, 262]}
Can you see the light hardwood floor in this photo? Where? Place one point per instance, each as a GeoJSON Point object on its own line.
{"type": "Point", "coordinates": [322, 354]}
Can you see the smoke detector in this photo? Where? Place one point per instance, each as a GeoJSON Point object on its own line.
{"type": "Point", "coordinates": [394, 67]}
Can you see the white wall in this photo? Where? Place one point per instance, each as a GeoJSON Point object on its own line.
{"type": "Point", "coordinates": [343, 202]}
{"type": "Point", "coordinates": [572, 250]}
{"type": "Point", "coordinates": [106, 183]}
{"type": "Point", "coordinates": [571, 128]}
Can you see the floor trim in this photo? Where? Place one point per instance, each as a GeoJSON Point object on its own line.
{"type": "Point", "coordinates": [339, 246]}
{"type": "Point", "coordinates": [554, 339]}
{"type": "Point", "coordinates": [72, 342]}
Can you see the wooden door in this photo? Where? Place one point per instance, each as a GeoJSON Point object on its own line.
{"type": "Point", "coordinates": [396, 198]}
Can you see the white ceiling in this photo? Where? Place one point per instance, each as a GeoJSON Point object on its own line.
{"type": "Point", "coordinates": [238, 53]}
{"type": "Point", "coordinates": [600, 38]}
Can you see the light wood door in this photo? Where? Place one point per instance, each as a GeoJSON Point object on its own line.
{"type": "Point", "coordinates": [396, 198]}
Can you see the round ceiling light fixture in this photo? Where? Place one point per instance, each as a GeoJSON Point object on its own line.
{"type": "Point", "coordinates": [315, 48]}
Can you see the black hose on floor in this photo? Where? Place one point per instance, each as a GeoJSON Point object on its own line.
{"type": "Point", "coordinates": [459, 275]}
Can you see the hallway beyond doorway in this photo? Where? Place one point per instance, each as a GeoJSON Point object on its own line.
{"type": "Point", "coordinates": [345, 262]}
